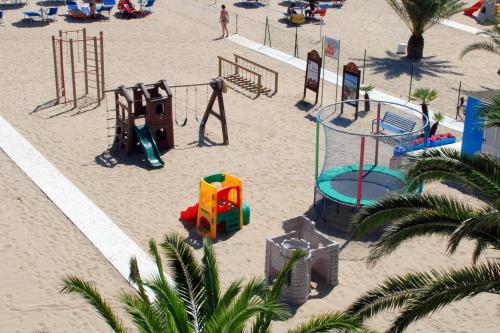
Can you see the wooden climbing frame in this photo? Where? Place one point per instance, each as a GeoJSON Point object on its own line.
{"type": "Point", "coordinates": [88, 49]}
{"type": "Point", "coordinates": [249, 75]}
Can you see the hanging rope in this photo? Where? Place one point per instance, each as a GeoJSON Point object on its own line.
{"type": "Point", "coordinates": [185, 115]}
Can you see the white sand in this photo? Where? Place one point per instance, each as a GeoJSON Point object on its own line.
{"type": "Point", "coordinates": [271, 149]}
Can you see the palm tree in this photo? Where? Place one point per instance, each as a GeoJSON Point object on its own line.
{"type": "Point", "coordinates": [366, 89]}
{"type": "Point", "coordinates": [438, 117]}
{"type": "Point", "coordinates": [489, 112]}
{"type": "Point", "coordinates": [425, 96]}
{"type": "Point", "coordinates": [192, 301]}
{"type": "Point", "coordinates": [421, 15]}
{"type": "Point", "coordinates": [492, 46]}
{"type": "Point", "coordinates": [412, 215]}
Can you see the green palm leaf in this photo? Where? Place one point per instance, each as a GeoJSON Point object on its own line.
{"type": "Point", "coordinates": [187, 275]}
{"type": "Point", "coordinates": [489, 112]}
{"type": "Point", "coordinates": [75, 285]}
{"type": "Point", "coordinates": [417, 215]}
{"type": "Point", "coordinates": [153, 250]}
{"type": "Point", "coordinates": [331, 322]}
{"type": "Point", "coordinates": [250, 302]}
{"type": "Point", "coordinates": [170, 303]}
{"type": "Point", "coordinates": [392, 294]}
{"type": "Point", "coordinates": [479, 172]}
{"type": "Point", "coordinates": [144, 315]}
{"type": "Point", "coordinates": [263, 321]}
{"type": "Point", "coordinates": [421, 15]}
{"type": "Point", "coordinates": [447, 287]}
{"type": "Point", "coordinates": [420, 294]}
{"type": "Point", "coordinates": [135, 277]}
{"type": "Point", "coordinates": [210, 277]}
{"type": "Point", "coordinates": [485, 229]}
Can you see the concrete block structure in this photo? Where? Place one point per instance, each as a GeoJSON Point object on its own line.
{"type": "Point", "coordinates": [321, 259]}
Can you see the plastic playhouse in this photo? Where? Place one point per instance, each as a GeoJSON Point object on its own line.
{"type": "Point", "coordinates": [219, 209]}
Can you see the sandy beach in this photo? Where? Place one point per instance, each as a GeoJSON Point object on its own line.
{"type": "Point", "coordinates": [271, 149]}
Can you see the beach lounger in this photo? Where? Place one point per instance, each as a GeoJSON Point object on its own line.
{"type": "Point", "coordinates": [32, 15]}
{"type": "Point", "coordinates": [127, 9]}
{"type": "Point", "coordinates": [107, 6]}
{"type": "Point", "coordinates": [51, 13]}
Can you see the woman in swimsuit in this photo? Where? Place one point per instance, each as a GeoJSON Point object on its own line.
{"type": "Point", "coordinates": [224, 20]}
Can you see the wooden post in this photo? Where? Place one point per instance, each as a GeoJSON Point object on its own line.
{"type": "Point", "coordinates": [73, 78]}
{"type": "Point", "coordinates": [220, 66]}
{"type": "Point", "coordinates": [85, 61]}
{"type": "Point", "coordinates": [360, 174]}
{"type": "Point", "coordinates": [97, 72]}
{"type": "Point", "coordinates": [54, 53]}
{"type": "Point", "coordinates": [259, 85]}
{"type": "Point", "coordinates": [101, 46]}
{"type": "Point", "coordinates": [61, 55]}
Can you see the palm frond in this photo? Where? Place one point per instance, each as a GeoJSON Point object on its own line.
{"type": "Point", "coordinates": [485, 229]}
{"type": "Point", "coordinates": [398, 207]}
{"type": "Point", "coordinates": [416, 215]}
{"type": "Point", "coordinates": [75, 285]}
{"type": "Point", "coordinates": [210, 278]}
{"type": "Point", "coordinates": [419, 16]}
{"type": "Point", "coordinates": [479, 172]}
{"type": "Point", "coordinates": [420, 294]}
{"type": "Point", "coordinates": [481, 46]}
{"type": "Point", "coordinates": [392, 294]}
{"type": "Point", "coordinates": [329, 322]}
{"type": "Point", "coordinates": [250, 302]}
{"type": "Point", "coordinates": [263, 321]}
{"type": "Point", "coordinates": [144, 315]}
{"type": "Point", "coordinates": [153, 250]}
{"type": "Point", "coordinates": [447, 287]}
{"type": "Point", "coordinates": [231, 292]}
{"type": "Point", "coordinates": [187, 275]}
{"type": "Point", "coordinates": [169, 302]}
{"type": "Point", "coordinates": [135, 277]}
{"type": "Point", "coordinates": [489, 112]}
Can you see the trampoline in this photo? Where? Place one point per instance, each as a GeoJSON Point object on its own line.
{"type": "Point", "coordinates": [341, 184]}
{"type": "Point", "coordinates": [360, 164]}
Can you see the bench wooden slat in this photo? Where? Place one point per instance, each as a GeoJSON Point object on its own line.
{"type": "Point", "coordinates": [395, 123]}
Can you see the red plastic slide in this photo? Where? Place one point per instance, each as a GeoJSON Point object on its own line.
{"type": "Point", "coordinates": [474, 8]}
{"type": "Point", "coordinates": [191, 213]}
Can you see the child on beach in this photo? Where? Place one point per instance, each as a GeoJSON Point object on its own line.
{"type": "Point", "coordinates": [224, 20]}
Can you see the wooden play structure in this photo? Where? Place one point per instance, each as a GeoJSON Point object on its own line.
{"type": "Point", "coordinates": [85, 55]}
{"type": "Point", "coordinates": [219, 209]}
{"type": "Point", "coordinates": [144, 116]}
{"type": "Point", "coordinates": [249, 75]}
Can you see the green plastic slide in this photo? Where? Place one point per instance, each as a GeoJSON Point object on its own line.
{"type": "Point", "coordinates": [149, 147]}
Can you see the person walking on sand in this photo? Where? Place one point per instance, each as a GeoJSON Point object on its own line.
{"type": "Point", "coordinates": [224, 20]}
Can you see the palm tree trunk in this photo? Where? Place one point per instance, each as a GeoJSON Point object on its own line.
{"type": "Point", "coordinates": [415, 48]}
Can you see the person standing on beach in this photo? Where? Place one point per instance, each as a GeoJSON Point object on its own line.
{"type": "Point", "coordinates": [224, 20]}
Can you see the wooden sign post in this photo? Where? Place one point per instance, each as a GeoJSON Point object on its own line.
{"type": "Point", "coordinates": [350, 87]}
{"type": "Point", "coordinates": [313, 73]}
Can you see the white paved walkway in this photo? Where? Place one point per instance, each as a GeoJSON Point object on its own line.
{"type": "Point", "coordinates": [332, 77]}
{"type": "Point", "coordinates": [108, 238]}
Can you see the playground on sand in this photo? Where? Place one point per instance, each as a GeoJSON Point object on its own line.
{"type": "Point", "coordinates": [271, 145]}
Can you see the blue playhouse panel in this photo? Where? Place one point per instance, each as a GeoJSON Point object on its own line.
{"type": "Point", "coordinates": [473, 134]}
